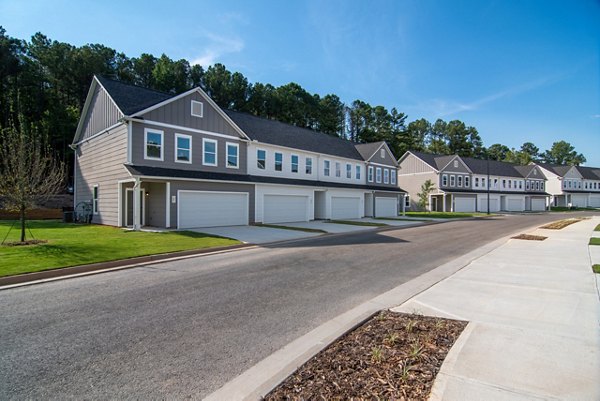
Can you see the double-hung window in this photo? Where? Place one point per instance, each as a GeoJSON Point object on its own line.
{"type": "Point", "coordinates": [326, 167]}
{"type": "Point", "coordinates": [495, 183]}
{"type": "Point", "coordinates": [476, 182]}
{"type": "Point", "coordinates": [527, 186]}
{"type": "Point", "coordinates": [95, 200]}
{"type": "Point", "coordinates": [261, 159]}
{"type": "Point", "coordinates": [483, 182]}
{"type": "Point", "coordinates": [308, 169]}
{"type": "Point", "coordinates": [338, 169]}
{"type": "Point", "coordinates": [407, 201]}
{"type": "Point", "coordinates": [459, 180]}
{"type": "Point", "coordinates": [183, 148]}
{"type": "Point", "coordinates": [153, 149]}
{"type": "Point", "coordinates": [452, 180]}
{"type": "Point", "coordinates": [467, 181]}
{"type": "Point", "coordinates": [378, 175]}
{"type": "Point", "coordinates": [278, 161]}
{"type": "Point", "coordinates": [233, 155]}
{"type": "Point", "coordinates": [294, 160]}
{"type": "Point", "coordinates": [209, 152]}
{"type": "Point", "coordinates": [393, 174]}
{"type": "Point", "coordinates": [357, 174]}
{"type": "Point", "coordinates": [386, 176]}
{"type": "Point", "coordinates": [370, 174]}
{"type": "Point", "coordinates": [348, 171]}
{"type": "Point", "coordinates": [444, 180]}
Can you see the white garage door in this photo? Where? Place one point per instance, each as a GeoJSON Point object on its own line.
{"type": "Point", "coordinates": [494, 204]}
{"type": "Point", "coordinates": [538, 204]}
{"type": "Point", "coordinates": [285, 208]}
{"type": "Point", "coordinates": [594, 201]}
{"type": "Point", "coordinates": [462, 204]}
{"type": "Point", "coordinates": [579, 200]}
{"type": "Point", "coordinates": [514, 205]}
{"type": "Point", "coordinates": [386, 207]}
{"type": "Point", "coordinates": [345, 207]}
{"type": "Point", "coordinates": [212, 209]}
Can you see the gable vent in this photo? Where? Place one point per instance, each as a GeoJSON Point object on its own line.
{"type": "Point", "coordinates": [197, 109]}
{"type": "Point", "coordinates": [382, 153]}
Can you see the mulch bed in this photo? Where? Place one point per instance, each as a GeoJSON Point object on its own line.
{"type": "Point", "coordinates": [558, 225]}
{"type": "Point", "coordinates": [530, 237]}
{"type": "Point", "coordinates": [393, 356]}
{"type": "Point", "coordinates": [28, 242]}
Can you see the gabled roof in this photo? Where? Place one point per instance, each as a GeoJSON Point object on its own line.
{"type": "Point", "coordinates": [589, 173]}
{"type": "Point", "coordinates": [277, 133]}
{"type": "Point", "coordinates": [555, 168]}
{"type": "Point", "coordinates": [131, 98]}
{"type": "Point", "coordinates": [367, 150]}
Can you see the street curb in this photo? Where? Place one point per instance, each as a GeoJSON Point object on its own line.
{"type": "Point", "coordinates": [260, 379]}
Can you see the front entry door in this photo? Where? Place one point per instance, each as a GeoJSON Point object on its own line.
{"type": "Point", "coordinates": [129, 207]}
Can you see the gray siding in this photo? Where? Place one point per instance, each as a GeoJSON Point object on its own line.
{"type": "Point", "coordinates": [179, 112]}
{"type": "Point", "coordinates": [412, 164]}
{"type": "Point", "coordinates": [388, 159]}
{"type": "Point", "coordinates": [100, 162]}
{"type": "Point", "coordinates": [392, 170]}
{"type": "Point", "coordinates": [156, 203]}
{"type": "Point", "coordinates": [211, 186]}
{"type": "Point", "coordinates": [102, 113]}
{"type": "Point", "coordinates": [169, 150]}
{"type": "Point", "coordinates": [451, 169]}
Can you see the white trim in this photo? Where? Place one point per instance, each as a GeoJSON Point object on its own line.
{"type": "Point", "coordinates": [143, 198]}
{"type": "Point", "coordinates": [168, 208]}
{"type": "Point", "coordinates": [104, 131]}
{"type": "Point", "coordinates": [166, 101]}
{"type": "Point", "coordinates": [378, 177]}
{"type": "Point", "coordinates": [405, 155]}
{"type": "Point", "coordinates": [204, 163]}
{"type": "Point", "coordinates": [95, 199]}
{"type": "Point", "coordinates": [247, 195]}
{"type": "Point", "coordinates": [383, 165]}
{"type": "Point", "coordinates": [328, 169]}
{"type": "Point", "coordinates": [358, 171]}
{"type": "Point", "coordinates": [275, 161]}
{"type": "Point", "coordinates": [389, 151]}
{"type": "Point", "coordinates": [349, 170]}
{"type": "Point", "coordinates": [461, 161]}
{"type": "Point", "coordinates": [330, 156]}
{"type": "Point", "coordinates": [182, 128]}
{"type": "Point", "coordinates": [201, 108]}
{"type": "Point", "coordinates": [386, 177]}
{"type": "Point", "coordinates": [129, 142]}
{"type": "Point", "coordinates": [176, 147]}
{"type": "Point", "coordinates": [237, 147]}
{"type": "Point", "coordinates": [306, 164]}
{"type": "Point", "coordinates": [119, 189]}
{"type": "Point", "coordinates": [297, 163]}
{"type": "Point", "coordinates": [393, 177]}
{"type": "Point", "coordinates": [265, 159]}
{"type": "Point", "coordinates": [162, 144]}
{"type": "Point", "coordinates": [370, 174]}
{"type": "Point", "coordinates": [75, 179]}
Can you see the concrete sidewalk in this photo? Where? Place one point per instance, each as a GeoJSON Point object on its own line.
{"type": "Point", "coordinates": [533, 309]}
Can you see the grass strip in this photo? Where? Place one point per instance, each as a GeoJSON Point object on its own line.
{"type": "Point", "coordinates": [305, 229]}
{"type": "Point", "coordinates": [595, 241]}
{"type": "Point", "coordinates": [357, 223]}
{"type": "Point", "coordinates": [596, 269]}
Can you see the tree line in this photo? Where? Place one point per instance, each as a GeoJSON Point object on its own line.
{"type": "Point", "coordinates": [46, 82]}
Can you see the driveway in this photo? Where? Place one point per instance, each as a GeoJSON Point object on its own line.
{"type": "Point", "coordinates": [256, 234]}
{"type": "Point", "coordinates": [329, 227]}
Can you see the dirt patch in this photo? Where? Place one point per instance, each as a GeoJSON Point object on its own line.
{"type": "Point", "coordinates": [560, 224]}
{"type": "Point", "coordinates": [393, 356]}
{"type": "Point", "coordinates": [529, 237]}
{"type": "Point", "coordinates": [25, 243]}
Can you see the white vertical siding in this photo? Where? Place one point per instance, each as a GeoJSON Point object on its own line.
{"type": "Point", "coordinates": [102, 113]}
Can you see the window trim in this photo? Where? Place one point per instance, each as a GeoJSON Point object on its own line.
{"type": "Point", "coordinates": [292, 163]}
{"type": "Point", "coordinates": [326, 168]}
{"type": "Point", "coordinates": [237, 154]}
{"type": "Point", "coordinates": [357, 171]}
{"type": "Point", "coordinates": [201, 108]}
{"type": "Point", "coordinates": [348, 171]}
{"type": "Point", "coordinates": [382, 153]}
{"type": "Point", "coordinates": [407, 201]}
{"type": "Point", "coordinates": [264, 167]}
{"type": "Point", "coordinates": [184, 136]}
{"type": "Point", "coordinates": [308, 167]}
{"type": "Point", "coordinates": [467, 181]}
{"type": "Point", "coordinates": [204, 142]}
{"type": "Point", "coordinates": [95, 198]}
{"type": "Point", "coordinates": [393, 174]}
{"type": "Point", "coordinates": [370, 174]}
{"type": "Point", "coordinates": [452, 180]}
{"type": "Point", "coordinates": [444, 180]}
{"type": "Point", "coordinates": [459, 181]}
{"type": "Point", "coordinates": [162, 144]}
{"type": "Point", "coordinates": [378, 175]}
{"type": "Point", "coordinates": [275, 162]}
{"type": "Point", "coordinates": [386, 176]}
{"type": "Point", "coordinates": [338, 170]}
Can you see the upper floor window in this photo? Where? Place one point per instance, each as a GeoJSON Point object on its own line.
{"type": "Point", "coordinates": [476, 182]}
{"type": "Point", "coordinates": [308, 165]}
{"type": "Point", "coordinates": [452, 180]}
{"type": "Point", "coordinates": [407, 201]}
{"type": "Point", "coordinates": [348, 171]}
{"type": "Point", "coordinates": [209, 152]}
{"type": "Point", "coordinates": [378, 175]}
{"type": "Point", "coordinates": [503, 184]}
{"type": "Point", "coordinates": [520, 184]}
{"type": "Point", "coordinates": [233, 151]}
{"type": "Point", "coordinates": [95, 200]}
{"type": "Point", "coordinates": [570, 183]}
{"type": "Point", "coordinates": [579, 184]}
{"type": "Point", "coordinates": [326, 167]}
{"type": "Point", "coordinates": [393, 177]}
{"type": "Point", "coordinates": [386, 176]}
{"type": "Point", "coordinates": [459, 180]}
{"type": "Point", "coordinates": [370, 174]}
{"type": "Point", "coordinates": [357, 174]}
{"type": "Point", "coordinates": [444, 180]}
{"type": "Point", "coordinates": [586, 185]}
{"type": "Point", "coordinates": [542, 185]}
{"type": "Point", "coordinates": [338, 169]}
{"type": "Point", "coordinates": [495, 183]}
{"type": "Point", "coordinates": [467, 181]}
{"type": "Point", "coordinates": [509, 184]}
{"type": "Point", "coordinates": [527, 186]}
{"type": "Point", "coordinates": [537, 185]}
{"type": "Point", "coordinates": [278, 161]}
{"type": "Point", "coordinates": [261, 159]}
{"type": "Point", "coordinates": [183, 148]}
{"type": "Point", "coordinates": [294, 163]}
{"type": "Point", "coordinates": [153, 149]}
{"type": "Point", "coordinates": [197, 109]}
{"type": "Point", "coordinates": [483, 182]}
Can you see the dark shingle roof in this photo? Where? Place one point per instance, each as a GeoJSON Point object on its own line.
{"type": "Point", "coordinates": [131, 98]}
{"type": "Point", "coordinates": [148, 171]}
{"type": "Point", "coordinates": [278, 133]}
{"type": "Point", "coordinates": [555, 168]}
{"type": "Point", "coordinates": [589, 173]}
{"type": "Point", "coordinates": [367, 150]}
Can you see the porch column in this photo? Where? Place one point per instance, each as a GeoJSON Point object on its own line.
{"type": "Point", "coordinates": [444, 203]}
{"type": "Point", "coordinates": [451, 203]}
{"type": "Point", "coordinates": [137, 212]}
{"type": "Point", "coordinates": [168, 205]}
{"type": "Point", "coordinates": [403, 204]}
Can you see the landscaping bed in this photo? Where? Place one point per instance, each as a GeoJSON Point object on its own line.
{"type": "Point", "coordinates": [560, 224]}
{"type": "Point", "coordinates": [529, 237]}
{"type": "Point", "coordinates": [393, 356]}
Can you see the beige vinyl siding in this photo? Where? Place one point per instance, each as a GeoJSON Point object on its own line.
{"type": "Point", "coordinates": [100, 162]}
{"type": "Point", "coordinates": [179, 112]}
{"type": "Point", "coordinates": [412, 164]}
{"type": "Point", "coordinates": [102, 113]}
{"type": "Point", "coordinates": [411, 183]}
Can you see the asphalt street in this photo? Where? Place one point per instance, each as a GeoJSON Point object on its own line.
{"type": "Point", "coordinates": [182, 329]}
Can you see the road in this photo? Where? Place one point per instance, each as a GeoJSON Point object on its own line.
{"type": "Point", "coordinates": [182, 329]}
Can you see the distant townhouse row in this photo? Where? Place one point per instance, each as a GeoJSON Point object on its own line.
{"type": "Point", "coordinates": [576, 186]}
{"type": "Point", "coordinates": [180, 161]}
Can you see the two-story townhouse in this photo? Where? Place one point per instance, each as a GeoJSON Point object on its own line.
{"type": "Point", "coordinates": [465, 184]}
{"type": "Point", "coordinates": [180, 161]}
{"type": "Point", "coordinates": [577, 186]}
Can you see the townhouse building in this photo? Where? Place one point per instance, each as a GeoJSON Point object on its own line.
{"type": "Point", "coordinates": [576, 186]}
{"type": "Point", "coordinates": [147, 158]}
{"type": "Point", "coordinates": [464, 184]}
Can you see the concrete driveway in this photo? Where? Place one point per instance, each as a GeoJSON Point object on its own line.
{"type": "Point", "coordinates": [255, 234]}
{"type": "Point", "coordinates": [329, 227]}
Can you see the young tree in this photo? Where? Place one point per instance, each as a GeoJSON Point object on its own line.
{"type": "Point", "coordinates": [29, 172]}
{"type": "Point", "coordinates": [426, 189]}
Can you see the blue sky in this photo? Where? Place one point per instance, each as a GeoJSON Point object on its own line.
{"type": "Point", "coordinates": [516, 70]}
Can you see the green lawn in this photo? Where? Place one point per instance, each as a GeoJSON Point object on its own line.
{"type": "Point", "coordinates": [74, 244]}
{"type": "Point", "coordinates": [567, 209]}
{"type": "Point", "coordinates": [597, 228]}
{"type": "Point", "coordinates": [595, 241]}
{"type": "Point", "coordinates": [444, 215]}
{"type": "Point", "coordinates": [596, 269]}
{"type": "Point", "coordinates": [358, 223]}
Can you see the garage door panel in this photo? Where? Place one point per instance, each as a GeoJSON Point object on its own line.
{"type": "Point", "coordinates": [579, 200]}
{"type": "Point", "coordinates": [538, 205]}
{"type": "Point", "coordinates": [514, 205]}
{"type": "Point", "coordinates": [386, 207]}
{"type": "Point", "coordinates": [285, 208]}
{"type": "Point", "coordinates": [462, 204]}
{"type": "Point", "coordinates": [594, 201]}
{"type": "Point", "coordinates": [212, 209]}
{"type": "Point", "coordinates": [345, 207]}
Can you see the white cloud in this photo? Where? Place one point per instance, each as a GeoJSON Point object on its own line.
{"type": "Point", "coordinates": [217, 47]}
{"type": "Point", "coordinates": [596, 116]}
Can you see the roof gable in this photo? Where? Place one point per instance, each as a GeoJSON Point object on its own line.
{"type": "Point", "coordinates": [131, 98]}
{"type": "Point", "coordinates": [370, 150]}
{"type": "Point", "coordinates": [448, 163]}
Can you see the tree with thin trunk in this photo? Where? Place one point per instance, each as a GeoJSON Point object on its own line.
{"type": "Point", "coordinates": [426, 189]}
{"type": "Point", "coordinates": [29, 172]}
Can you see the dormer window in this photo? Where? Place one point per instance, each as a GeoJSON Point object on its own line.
{"type": "Point", "coordinates": [197, 109]}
